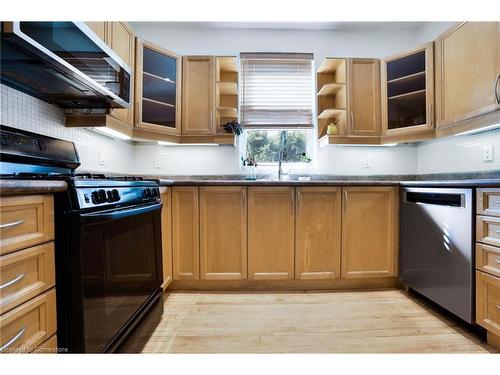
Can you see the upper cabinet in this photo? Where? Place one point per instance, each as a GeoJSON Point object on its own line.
{"type": "Point", "coordinates": [349, 97]}
{"type": "Point", "coordinates": [467, 74]}
{"type": "Point", "coordinates": [198, 93]}
{"type": "Point", "coordinates": [408, 94]}
{"type": "Point", "coordinates": [209, 96]}
{"type": "Point", "coordinates": [158, 89]}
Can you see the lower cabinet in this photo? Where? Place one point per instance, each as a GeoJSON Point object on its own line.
{"type": "Point", "coordinates": [488, 302]}
{"type": "Point", "coordinates": [369, 232]}
{"type": "Point", "coordinates": [166, 234]}
{"type": "Point", "coordinates": [317, 232]}
{"type": "Point", "coordinates": [271, 233]}
{"type": "Point", "coordinates": [223, 233]}
{"type": "Point", "coordinates": [185, 233]}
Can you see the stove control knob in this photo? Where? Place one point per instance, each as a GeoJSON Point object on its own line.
{"type": "Point", "coordinates": [115, 195]}
{"type": "Point", "coordinates": [95, 197]}
{"type": "Point", "coordinates": [109, 196]}
{"type": "Point", "coordinates": [102, 196]}
{"type": "Point", "coordinates": [147, 192]}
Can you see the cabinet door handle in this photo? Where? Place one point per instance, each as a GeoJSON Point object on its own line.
{"type": "Point", "coordinates": [497, 261]}
{"type": "Point", "coordinates": [495, 89]}
{"type": "Point", "coordinates": [345, 199]}
{"type": "Point", "coordinates": [13, 340]}
{"type": "Point", "coordinates": [12, 282]}
{"type": "Point", "coordinates": [211, 119]}
{"type": "Point", "coordinates": [498, 307]}
{"type": "Point", "coordinates": [430, 115]}
{"type": "Point", "coordinates": [10, 225]}
{"type": "Point", "coordinates": [352, 122]}
{"type": "Point", "coordinates": [291, 202]}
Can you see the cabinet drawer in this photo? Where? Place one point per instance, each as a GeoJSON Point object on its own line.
{"type": "Point", "coordinates": [25, 274]}
{"type": "Point", "coordinates": [488, 230]}
{"type": "Point", "coordinates": [488, 302]}
{"type": "Point", "coordinates": [29, 325]}
{"type": "Point", "coordinates": [488, 202]}
{"type": "Point", "coordinates": [488, 259]}
{"type": "Point", "coordinates": [25, 221]}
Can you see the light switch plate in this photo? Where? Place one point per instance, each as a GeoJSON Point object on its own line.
{"type": "Point", "coordinates": [102, 157]}
{"type": "Point", "coordinates": [488, 153]}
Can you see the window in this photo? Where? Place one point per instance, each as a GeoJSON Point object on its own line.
{"type": "Point", "coordinates": [276, 94]}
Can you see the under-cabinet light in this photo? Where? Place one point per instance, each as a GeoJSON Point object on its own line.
{"type": "Point", "coordinates": [368, 145]}
{"type": "Point", "coordinates": [163, 143]}
{"type": "Point", "coordinates": [112, 133]}
{"type": "Point", "coordinates": [474, 131]}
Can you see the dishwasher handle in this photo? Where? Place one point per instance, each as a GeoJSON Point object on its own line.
{"type": "Point", "coordinates": [438, 199]}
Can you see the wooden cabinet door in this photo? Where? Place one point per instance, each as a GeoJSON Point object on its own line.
{"type": "Point", "coordinates": [198, 92]}
{"type": "Point", "coordinates": [317, 232]}
{"type": "Point", "coordinates": [121, 41]}
{"type": "Point", "coordinates": [223, 233]}
{"type": "Point", "coordinates": [368, 232]}
{"type": "Point", "coordinates": [100, 28]}
{"type": "Point", "coordinates": [166, 235]}
{"type": "Point", "coordinates": [185, 233]}
{"type": "Point", "coordinates": [270, 233]}
{"type": "Point", "coordinates": [467, 67]}
{"type": "Point", "coordinates": [157, 88]}
{"type": "Point", "coordinates": [364, 97]}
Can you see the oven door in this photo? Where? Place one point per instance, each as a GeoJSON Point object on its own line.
{"type": "Point", "coordinates": [120, 264]}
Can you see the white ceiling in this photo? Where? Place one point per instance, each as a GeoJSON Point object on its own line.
{"type": "Point", "coordinates": [352, 26]}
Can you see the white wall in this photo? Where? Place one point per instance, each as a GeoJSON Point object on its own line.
{"type": "Point", "coordinates": [26, 112]}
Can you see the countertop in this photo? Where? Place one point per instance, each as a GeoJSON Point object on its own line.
{"type": "Point", "coordinates": [8, 187]}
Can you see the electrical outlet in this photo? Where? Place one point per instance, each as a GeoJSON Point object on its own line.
{"type": "Point", "coordinates": [158, 161]}
{"type": "Point", "coordinates": [102, 157]}
{"type": "Point", "coordinates": [488, 153]}
{"type": "Point", "coordinates": [367, 162]}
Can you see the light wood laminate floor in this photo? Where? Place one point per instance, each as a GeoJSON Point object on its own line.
{"type": "Point", "coordinates": [388, 321]}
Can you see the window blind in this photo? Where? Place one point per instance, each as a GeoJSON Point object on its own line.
{"type": "Point", "coordinates": [277, 90]}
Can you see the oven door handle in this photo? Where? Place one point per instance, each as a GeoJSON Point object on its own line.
{"type": "Point", "coordinates": [120, 214]}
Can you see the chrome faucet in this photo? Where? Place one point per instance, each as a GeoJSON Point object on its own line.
{"type": "Point", "coordinates": [282, 156]}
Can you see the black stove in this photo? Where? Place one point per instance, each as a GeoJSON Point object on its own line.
{"type": "Point", "coordinates": [108, 245]}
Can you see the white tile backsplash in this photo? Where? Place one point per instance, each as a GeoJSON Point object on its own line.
{"type": "Point", "coordinates": [462, 153]}
{"type": "Point", "coordinates": [22, 111]}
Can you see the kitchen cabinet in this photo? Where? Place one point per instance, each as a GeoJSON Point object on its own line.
{"type": "Point", "coordinates": [408, 94]}
{"type": "Point", "coordinates": [226, 93]}
{"type": "Point", "coordinates": [157, 89]}
{"type": "Point", "coordinates": [318, 232]}
{"type": "Point", "coordinates": [488, 302]}
{"type": "Point", "coordinates": [100, 28]}
{"type": "Point", "coordinates": [166, 235]}
{"type": "Point", "coordinates": [223, 233]}
{"type": "Point", "coordinates": [349, 96]}
{"type": "Point", "coordinates": [467, 73]}
{"type": "Point", "coordinates": [185, 233]}
{"type": "Point", "coordinates": [27, 273]}
{"type": "Point", "coordinates": [364, 98]}
{"type": "Point", "coordinates": [198, 92]}
{"type": "Point", "coordinates": [369, 234]}
{"type": "Point", "coordinates": [271, 213]}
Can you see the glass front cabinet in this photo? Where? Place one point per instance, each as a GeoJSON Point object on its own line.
{"type": "Point", "coordinates": [408, 94]}
{"type": "Point", "coordinates": [158, 89]}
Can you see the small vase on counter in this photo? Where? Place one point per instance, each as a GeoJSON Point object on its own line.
{"type": "Point", "coordinates": [250, 167]}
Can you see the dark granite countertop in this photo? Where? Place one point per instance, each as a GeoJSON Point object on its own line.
{"type": "Point", "coordinates": [472, 179]}
{"type": "Point", "coordinates": [14, 186]}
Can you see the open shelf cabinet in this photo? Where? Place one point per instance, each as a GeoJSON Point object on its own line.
{"type": "Point", "coordinates": [408, 92]}
{"type": "Point", "coordinates": [226, 90]}
{"type": "Point", "coordinates": [331, 80]}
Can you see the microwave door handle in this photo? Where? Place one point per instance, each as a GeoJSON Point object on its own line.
{"type": "Point", "coordinates": [120, 214]}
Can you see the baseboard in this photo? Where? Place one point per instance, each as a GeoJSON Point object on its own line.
{"type": "Point", "coordinates": [286, 285]}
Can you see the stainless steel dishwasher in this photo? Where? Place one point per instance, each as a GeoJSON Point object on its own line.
{"type": "Point", "coordinates": [436, 246]}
